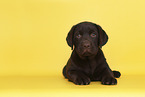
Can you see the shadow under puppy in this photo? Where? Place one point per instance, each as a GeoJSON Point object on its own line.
{"type": "Point", "coordinates": [87, 62]}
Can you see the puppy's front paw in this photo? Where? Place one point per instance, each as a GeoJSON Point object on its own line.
{"type": "Point", "coordinates": [82, 81]}
{"type": "Point", "coordinates": [109, 81]}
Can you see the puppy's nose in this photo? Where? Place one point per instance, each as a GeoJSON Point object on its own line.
{"type": "Point", "coordinates": [86, 45]}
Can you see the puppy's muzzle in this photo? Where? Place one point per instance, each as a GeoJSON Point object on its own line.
{"type": "Point", "coordinates": [86, 44]}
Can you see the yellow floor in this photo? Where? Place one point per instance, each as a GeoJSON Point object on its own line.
{"type": "Point", "coordinates": [57, 86]}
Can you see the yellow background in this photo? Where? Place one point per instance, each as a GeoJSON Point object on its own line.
{"type": "Point", "coordinates": [33, 33]}
{"type": "Point", "coordinates": [33, 38]}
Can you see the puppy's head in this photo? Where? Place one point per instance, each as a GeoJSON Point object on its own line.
{"type": "Point", "coordinates": [86, 37]}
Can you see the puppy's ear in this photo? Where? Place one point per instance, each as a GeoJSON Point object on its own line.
{"type": "Point", "coordinates": [70, 37]}
{"type": "Point", "coordinates": [103, 37]}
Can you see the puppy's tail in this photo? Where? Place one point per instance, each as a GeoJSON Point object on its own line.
{"type": "Point", "coordinates": [117, 74]}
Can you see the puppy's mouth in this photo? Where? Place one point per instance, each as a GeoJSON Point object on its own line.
{"type": "Point", "coordinates": [86, 52]}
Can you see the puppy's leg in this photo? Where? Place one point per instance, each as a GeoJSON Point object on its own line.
{"type": "Point", "coordinates": [64, 72]}
{"type": "Point", "coordinates": [78, 78]}
{"type": "Point", "coordinates": [108, 78]}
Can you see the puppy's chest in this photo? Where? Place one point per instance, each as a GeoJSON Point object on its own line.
{"type": "Point", "coordinates": [90, 67]}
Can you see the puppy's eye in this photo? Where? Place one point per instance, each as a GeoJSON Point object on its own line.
{"type": "Point", "coordinates": [93, 35]}
{"type": "Point", "coordinates": [79, 36]}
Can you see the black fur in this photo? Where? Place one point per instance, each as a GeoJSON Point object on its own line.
{"type": "Point", "coordinates": [87, 62]}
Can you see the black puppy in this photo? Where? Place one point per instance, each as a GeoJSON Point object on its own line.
{"type": "Point", "coordinates": [87, 62]}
